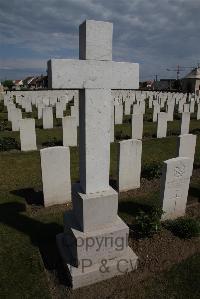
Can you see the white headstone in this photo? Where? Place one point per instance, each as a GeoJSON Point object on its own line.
{"type": "Point", "coordinates": [47, 118]}
{"type": "Point", "coordinates": [55, 165]}
{"type": "Point", "coordinates": [129, 169]}
{"type": "Point", "coordinates": [186, 146]}
{"type": "Point", "coordinates": [137, 126]}
{"type": "Point", "coordinates": [118, 114]}
{"type": "Point", "coordinates": [69, 125]}
{"type": "Point", "coordinates": [174, 186]}
{"type": "Point", "coordinates": [185, 123]}
{"type": "Point", "coordinates": [162, 125]}
{"type": "Point", "coordinates": [27, 134]}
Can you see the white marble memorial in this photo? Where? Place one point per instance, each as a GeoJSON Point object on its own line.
{"type": "Point", "coordinates": [162, 125]}
{"type": "Point", "coordinates": [175, 182]}
{"type": "Point", "coordinates": [47, 118]}
{"type": "Point", "coordinates": [185, 123]}
{"type": "Point", "coordinates": [137, 126]}
{"type": "Point", "coordinates": [69, 125]}
{"type": "Point", "coordinates": [27, 135]}
{"type": "Point", "coordinates": [55, 165]}
{"type": "Point", "coordinates": [187, 145]}
{"type": "Point", "coordinates": [129, 164]}
{"type": "Point", "coordinates": [95, 203]}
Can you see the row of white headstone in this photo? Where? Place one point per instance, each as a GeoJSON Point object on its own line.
{"type": "Point", "coordinates": [28, 133]}
{"type": "Point", "coordinates": [70, 123]}
{"type": "Point", "coordinates": [129, 167]}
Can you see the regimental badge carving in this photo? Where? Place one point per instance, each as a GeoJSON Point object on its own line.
{"type": "Point", "coordinates": [179, 170]}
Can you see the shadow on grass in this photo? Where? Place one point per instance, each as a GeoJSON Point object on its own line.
{"type": "Point", "coordinates": [113, 184]}
{"type": "Point", "coordinates": [42, 235]}
{"type": "Point", "coordinates": [31, 196]}
{"type": "Point", "coordinates": [133, 208]}
{"type": "Point", "coordinates": [194, 194]}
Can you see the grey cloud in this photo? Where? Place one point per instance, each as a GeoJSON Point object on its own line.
{"type": "Point", "coordinates": [155, 33]}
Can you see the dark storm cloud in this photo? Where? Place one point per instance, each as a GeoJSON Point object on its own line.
{"type": "Point", "coordinates": [156, 33]}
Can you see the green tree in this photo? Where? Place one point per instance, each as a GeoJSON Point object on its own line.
{"type": "Point", "coordinates": [8, 83]}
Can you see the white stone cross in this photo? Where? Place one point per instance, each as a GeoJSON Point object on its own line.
{"type": "Point", "coordinates": [95, 74]}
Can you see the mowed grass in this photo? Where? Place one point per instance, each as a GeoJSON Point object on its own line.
{"type": "Point", "coordinates": [27, 237]}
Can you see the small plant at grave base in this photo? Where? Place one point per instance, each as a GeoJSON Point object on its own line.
{"type": "Point", "coordinates": [147, 223]}
{"type": "Point", "coordinates": [184, 228]}
{"type": "Point", "coordinates": [52, 142]}
{"type": "Point", "coordinates": [152, 170]}
{"type": "Point", "coordinates": [8, 143]}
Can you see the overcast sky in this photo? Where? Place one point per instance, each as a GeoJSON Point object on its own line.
{"type": "Point", "coordinates": [158, 34]}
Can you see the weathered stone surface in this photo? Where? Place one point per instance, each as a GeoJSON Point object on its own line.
{"type": "Point", "coordinates": [111, 238]}
{"type": "Point", "coordinates": [27, 135]}
{"type": "Point", "coordinates": [79, 74]}
{"type": "Point", "coordinates": [95, 203]}
{"type": "Point", "coordinates": [94, 210]}
{"type": "Point", "coordinates": [98, 45]}
{"type": "Point", "coordinates": [118, 114]}
{"type": "Point", "coordinates": [162, 125]}
{"type": "Point", "coordinates": [47, 118]}
{"type": "Point", "coordinates": [88, 273]}
{"type": "Point", "coordinates": [55, 165]}
{"type": "Point", "coordinates": [137, 126]}
{"type": "Point", "coordinates": [156, 110]}
{"type": "Point", "coordinates": [186, 145]}
{"type": "Point", "coordinates": [59, 110]}
{"type": "Point", "coordinates": [185, 123]}
{"type": "Point", "coordinates": [16, 117]}
{"type": "Point", "coordinates": [95, 111]}
{"type": "Point", "coordinates": [69, 125]}
{"type": "Point", "coordinates": [129, 168]}
{"type": "Point", "coordinates": [174, 186]}
{"type": "Point", "coordinates": [112, 125]}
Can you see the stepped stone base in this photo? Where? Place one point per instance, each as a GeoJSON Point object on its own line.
{"type": "Point", "coordinates": [87, 273]}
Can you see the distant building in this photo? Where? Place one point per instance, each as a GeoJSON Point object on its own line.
{"type": "Point", "coordinates": [17, 84]}
{"type": "Point", "coordinates": [164, 84]}
{"type": "Point", "coordinates": [39, 82]}
{"type": "Point", "coordinates": [147, 85]}
{"type": "Point", "coordinates": [27, 81]}
{"type": "Point", "coordinates": [42, 82]}
{"type": "Point", "coordinates": [191, 82]}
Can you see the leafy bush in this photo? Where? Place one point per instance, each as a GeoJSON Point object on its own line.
{"type": "Point", "coordinates": [8, 143]}
{"type": "Point", "coordinates": [152, 170]}
{"type": "Point", "coordinates": [185, 228]}
{"type": "Point", "coordinates": [147, 224]}
{"type": "Point", "coordinates": [52, 142]}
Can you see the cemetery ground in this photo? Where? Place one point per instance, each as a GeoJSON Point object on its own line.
{"type": "Point", "coordinates": [169, 266]}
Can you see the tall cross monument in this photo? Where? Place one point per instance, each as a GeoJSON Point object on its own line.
{"type": "Point", "coordinates": [95, 203]}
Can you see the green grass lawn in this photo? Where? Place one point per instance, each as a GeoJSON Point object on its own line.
{"type": "Point", "coordinates": [182, 281]}
{"type": "Point", "coordinates": [27, 236]}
